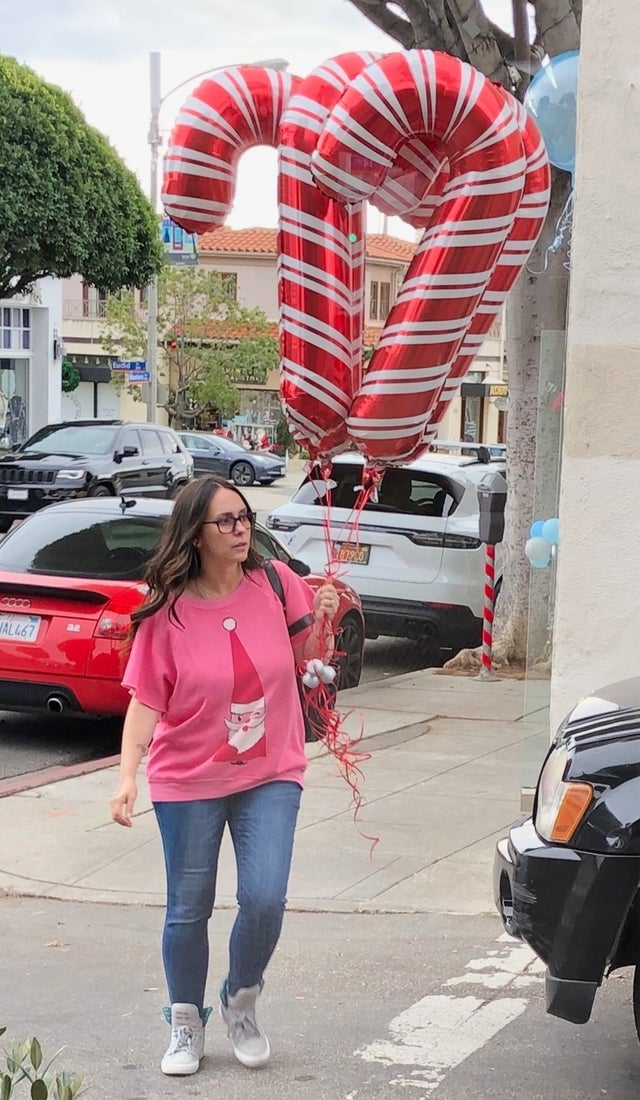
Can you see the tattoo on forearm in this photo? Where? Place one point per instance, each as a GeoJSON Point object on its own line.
{"type": "Point", "coordinates": [141, 748]}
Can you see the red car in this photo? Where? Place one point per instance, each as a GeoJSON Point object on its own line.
{"type": "Point", "coordinates": [71, 575]}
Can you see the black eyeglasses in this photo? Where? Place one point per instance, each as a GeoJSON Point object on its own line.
{"type": "Point", "coordinates": [227, 524]}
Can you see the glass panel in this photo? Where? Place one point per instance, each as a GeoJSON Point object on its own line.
{"type": "Point", "coordinates": [26, 340]}
{"type": "Point", "coordinates": [26, 318]}
{"type": "Point", "coordinates": [6, 317]}
{"type": "Point", "coordinates": [77, 544]}
{"type": "Point", "coordinates": [6, 338]}
{"type": "Point", "coordinates": [151, 444]}
{"type": "Point", "coordinates": [14, 397]}
{"type": "Point", "coordinates": [90, 439]}
{"type": "Point", "coordinates": [16, 318]}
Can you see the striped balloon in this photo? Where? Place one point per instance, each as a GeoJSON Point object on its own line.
{"type": "Point", "coordinates": [451, 107]}
{"type": "Point", "coordinates": [322, 259]}
{"type": "Point", "coordinates": [321, 270]}
{"type": "Point", "coordinates": [226, 115]}
{"type": "Point", "coordinates": [525, 231]}
{"type": "Point", "coordinates": [414, 186]}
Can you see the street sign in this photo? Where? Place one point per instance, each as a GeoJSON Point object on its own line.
{"type": "Point", "coordinates": [139, 376]}
{"type": "Point", "coordinates": [129, 364]}
{"type": "Point", "coordinates": [179, 247]}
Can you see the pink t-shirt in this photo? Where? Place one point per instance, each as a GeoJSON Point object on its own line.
{"type": "Point", "coordinates": [225, 685]}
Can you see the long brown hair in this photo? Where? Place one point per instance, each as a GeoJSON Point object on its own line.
{"type": "Point", "coordinates": [176, 560]}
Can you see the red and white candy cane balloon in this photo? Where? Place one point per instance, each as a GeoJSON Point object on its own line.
{"type": "Point", "coordinates": [321, 259]}
{"type": "Point", "coordinates": [440, 100]}
{"type": "Point", "coordinates": [320, 270]}
{"type": "Point", "coordinates": [525, 231]}
{"type": "Point", "coordinates": [226, 115]}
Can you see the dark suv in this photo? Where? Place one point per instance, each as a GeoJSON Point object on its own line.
{"type": "Point", "coordinates": [91, 458]}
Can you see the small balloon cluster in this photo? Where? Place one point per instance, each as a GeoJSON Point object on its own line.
{"type": "Point", "coordinates": [543, 541]}
{"type": "Point", "coordinates": [317, 672]}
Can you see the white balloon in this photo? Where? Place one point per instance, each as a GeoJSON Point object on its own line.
{"type": "Point", "coordinates": [537, 549]}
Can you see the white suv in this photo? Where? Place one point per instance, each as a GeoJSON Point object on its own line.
{"type": "Point", "coordinates": [417, 562]}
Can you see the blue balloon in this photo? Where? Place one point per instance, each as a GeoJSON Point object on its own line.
{"type": "Point", "coordinates": [551, 531]}
{"type": "Point", "coordinates": [552, 99]}
{"type": "Point", "coordinates": [540, 564]}
{"type": "Point", "coordinates": [536, 529]}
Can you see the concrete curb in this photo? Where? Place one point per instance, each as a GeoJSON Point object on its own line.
{"type": "Point", "coordinates": [28, 782]}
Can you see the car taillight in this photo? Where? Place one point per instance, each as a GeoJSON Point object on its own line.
{"type": "Point", "coordinates": [275, 523]}
{"type": "Point", "coordinates": [426, 538]}
{"type": "Point", "coordinates": [461, 542]}
{"type": "Point", "coordinates": [116, 627]}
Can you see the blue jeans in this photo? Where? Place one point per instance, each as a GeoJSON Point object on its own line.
{"type": "Point", "coordinates": [262, 823]}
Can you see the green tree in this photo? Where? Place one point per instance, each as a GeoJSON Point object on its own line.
{"type": "Point", "coordinates": [210, 342]}
{"type": "Point", "coordinates": [68, 204]}
{"type": "Point", "coordinates": [536, 308]}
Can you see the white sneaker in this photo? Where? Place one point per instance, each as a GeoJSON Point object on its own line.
{"type": "Point", "coordinates": [250, 1044]}
{"type": "Point", "coordinates": [187, 1042]}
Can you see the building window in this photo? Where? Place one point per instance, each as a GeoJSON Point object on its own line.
{"type": "Point", "coordinates": [94, 301]}
{"type": "Point", "coordinates": [14, 401]}
{"type": "Point", "coordinates": [472, 419]}
{"type": "Point", "coordinates": [15, 329]}
{"type": "Point", "coordinates": [385, 300]}
{"type": "Point", "coordinates": [230, 283]}
{"type": "Point", "coordinates": [373, 302]}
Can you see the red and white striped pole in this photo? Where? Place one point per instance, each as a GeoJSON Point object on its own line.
{"type": "Point", "coordinates": [487, 612]}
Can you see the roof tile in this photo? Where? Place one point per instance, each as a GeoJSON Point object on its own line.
{"type": "Point", "coordinates": [263, 242]}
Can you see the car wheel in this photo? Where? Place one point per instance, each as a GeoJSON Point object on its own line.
{"type": "Point", "coordinates": [100, 491]}
{"type": "Point", "coordinates": [350, 642]}
{"type": "Point", "coordinates": [242, 474]}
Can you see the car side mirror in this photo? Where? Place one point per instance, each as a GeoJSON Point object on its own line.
{"type": "Point", "coordinates": [299, 567]}
{"type": "Point", "coordinates": [127, 452]}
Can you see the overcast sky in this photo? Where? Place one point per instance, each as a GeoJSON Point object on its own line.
{"type": "Point", "coordinates": [98, 51]}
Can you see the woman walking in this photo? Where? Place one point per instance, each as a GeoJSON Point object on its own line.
{"type": "Point", "coordinates": [214, 698]}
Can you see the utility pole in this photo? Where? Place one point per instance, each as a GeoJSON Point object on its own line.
{"type": "Point", "coordinates": [155, 143]}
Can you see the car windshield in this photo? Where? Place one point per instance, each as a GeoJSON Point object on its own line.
{"type": "Point", "coordinates": [402, 490]}
{"type": "Point", "coordinates": [72, 439]}
{"type": "Point", "coordinates": [77, 544]}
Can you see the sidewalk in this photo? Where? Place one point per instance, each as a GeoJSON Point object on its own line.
{"type": "Point", "coordinates": [448, 757]}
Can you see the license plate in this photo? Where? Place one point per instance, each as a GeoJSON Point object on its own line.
{"type": "Point", "coordinates": [352, 555]}
{"type": "Point", "coordinates": [17, 494]}
{"type": "Point", "coordinates": [18, 628]}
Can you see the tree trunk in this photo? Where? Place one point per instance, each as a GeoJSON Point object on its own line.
{"type": "Point", "coordinates": [536, 321]}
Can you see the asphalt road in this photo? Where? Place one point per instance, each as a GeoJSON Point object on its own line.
{"type": "Point", "coordinates": [357, 1007]}
{"type": "Point", "coordinates": [31, 744]}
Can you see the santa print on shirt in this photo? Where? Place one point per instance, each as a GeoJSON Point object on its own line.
{"type": "Point", "coordinates": [246, 737]}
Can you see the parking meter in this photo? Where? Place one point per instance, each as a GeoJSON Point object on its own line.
{"type": "Point", "coordinates": [492, 498]}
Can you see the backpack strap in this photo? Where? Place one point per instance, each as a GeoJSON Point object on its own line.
{"type": "Point", "coordinates": [275, 581]}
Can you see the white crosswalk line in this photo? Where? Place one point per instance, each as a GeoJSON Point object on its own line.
{"type": "Point", "coordinates": [441, 1031]}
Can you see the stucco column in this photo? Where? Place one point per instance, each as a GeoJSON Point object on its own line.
{"type": "Point", "coordinates": [597, 621]}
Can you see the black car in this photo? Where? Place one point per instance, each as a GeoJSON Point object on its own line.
{"type": "Point", "coordinates": [213, 454]}
{"type": "Point", "coordinates": [91, 458]}
{"type": "Point", "coordinates": [567, 879]}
